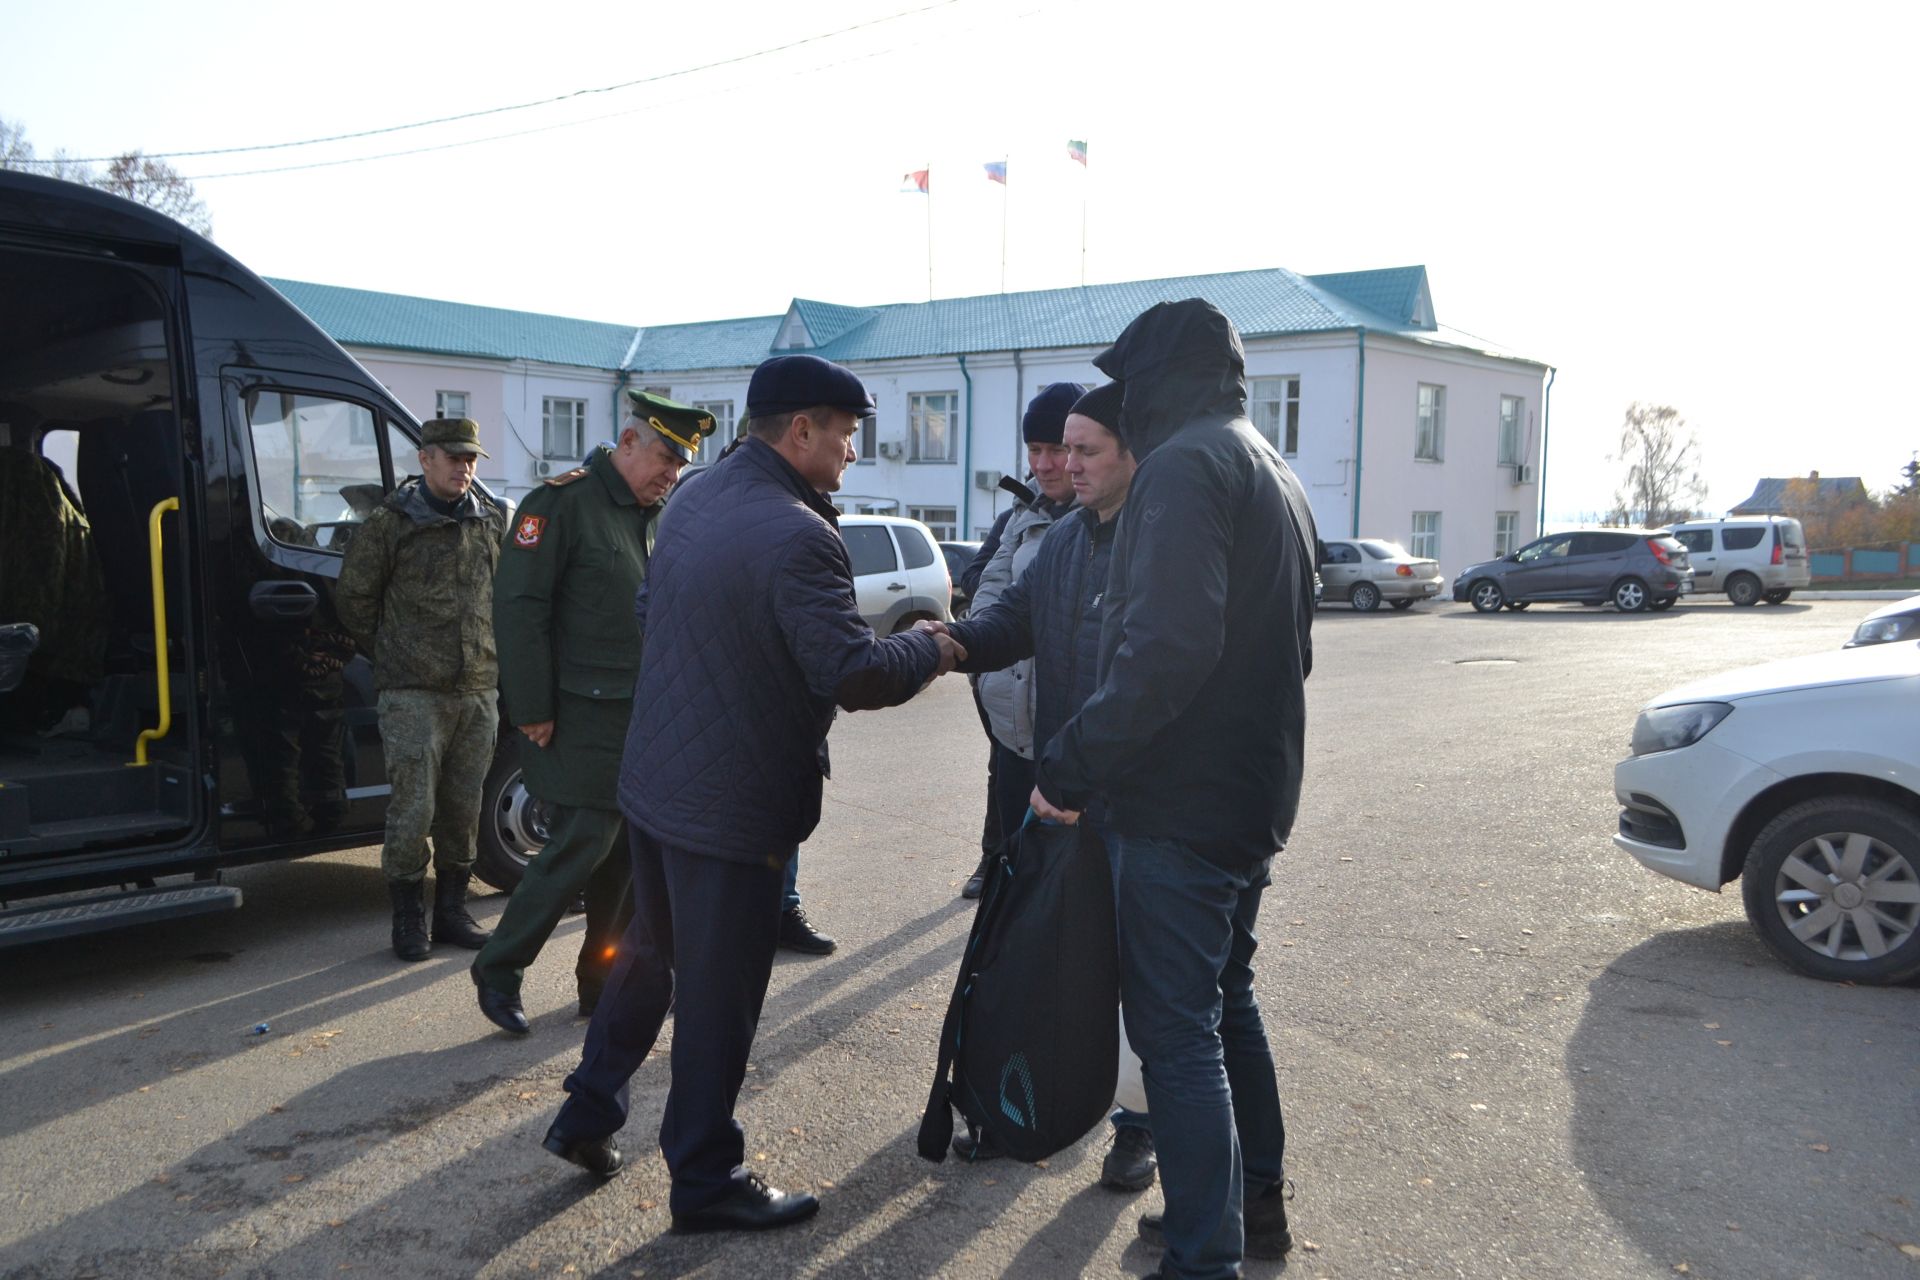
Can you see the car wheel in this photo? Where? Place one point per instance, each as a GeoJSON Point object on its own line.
{"type": "Point", "coordinates": [513, 824]}
{"type": "Point", "coordinates": [1743, 589]}
{"type": "Point", "coordinates": [1365, 597]}
{"type": "Point", "coordinates": [1833, 887]}
{"type": "Point", "coordinates": [1778, 597]}
{"type": "Point", "coordinates": [1401, 604]}
{"type": "Point", "coordinates": [907, 620]}
{"type": "Point", "coordinates": [1629, 595]}
{"type": "Point", "coordinates": [1661, 604]}
{"type": "Point", "coordinates": [1518, 606]}
{"type": "Point", "coordinates": [1487, 596]}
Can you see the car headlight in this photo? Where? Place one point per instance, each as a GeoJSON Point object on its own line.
{"type": "Point", "coordinates": [1667, 728]}
{"type": "Point", "coordinates": [1886, 630]}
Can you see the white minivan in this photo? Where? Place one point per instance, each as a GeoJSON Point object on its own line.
{"type": "Point", "coordinates": [1751, 559]}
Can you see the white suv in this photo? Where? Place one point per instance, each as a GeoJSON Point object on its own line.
{"type": "Point", "coordinates": [1802, 778]}
{"type": "Point", "coordinates": [1752, 559]}
{"type": "Point", "coordinates": [899, 575]}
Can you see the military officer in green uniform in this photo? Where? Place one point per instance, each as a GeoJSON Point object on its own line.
{"type": "Point", "coordinates": [569, 651]}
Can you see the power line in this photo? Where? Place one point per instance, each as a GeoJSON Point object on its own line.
{"type": "Point", "coordinates": [521, 106]}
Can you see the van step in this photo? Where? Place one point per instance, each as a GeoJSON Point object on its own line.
{"type": "Point", "coordinates": [73, 917]}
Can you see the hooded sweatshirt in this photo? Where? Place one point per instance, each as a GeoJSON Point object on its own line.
{"type": "Point", "coordinates": [1197, 729]}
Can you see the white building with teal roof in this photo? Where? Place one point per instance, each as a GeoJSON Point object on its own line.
{"type": "Point", "coordinates": [1399, 427]}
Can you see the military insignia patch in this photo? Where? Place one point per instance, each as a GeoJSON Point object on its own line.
{"type": "Point", "coordinates": [527, 532]}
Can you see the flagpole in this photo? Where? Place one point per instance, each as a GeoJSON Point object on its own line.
{"type": "Point", "coordinates": [929, 231]}
{"type": "Point", "coordinates": [1003, 224]}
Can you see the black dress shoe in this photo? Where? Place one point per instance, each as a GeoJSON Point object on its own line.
{"type": "Point", "coordinates": [751, 1206]}
{"type": "Point", "coordinates": [502, 1010]}
{"type": "Point", "coordinates": [975, 883]}
{"type": "Point", "coordinates": [798, 934]}
{"type": "Point", "coordinates": [598, 1156]}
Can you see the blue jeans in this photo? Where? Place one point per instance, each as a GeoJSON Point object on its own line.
{"type": "Point", "coordinates": [790, 894]}
{"type": "Point", "coordinates": [1187, 940]}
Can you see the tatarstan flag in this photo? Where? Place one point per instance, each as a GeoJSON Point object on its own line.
{"type": "Point", "coordinates": [1077, 150]}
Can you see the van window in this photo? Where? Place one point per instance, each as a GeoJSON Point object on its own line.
{"type": "Point", "coordinates": [318, 463]}
{"type": "Point", "coordinates": [870, 549]}
{"type": "Point", "coordinates": [914, 547]}
{"type": "Point", "coordinates": [1742, 537]}
{"type": "Point", "coordinates": [1789, 531]}
{"type": "Point", "coordinates": [1699, 541]}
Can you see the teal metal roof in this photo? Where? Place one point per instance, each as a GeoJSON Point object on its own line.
{"type": "Point", "coordinates": [1261, 303]}
{"type": "Point", "coordinates": [360, 317]}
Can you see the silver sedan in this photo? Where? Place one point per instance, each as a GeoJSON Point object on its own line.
{"type": "Point", "coordinates": [1365, 571]}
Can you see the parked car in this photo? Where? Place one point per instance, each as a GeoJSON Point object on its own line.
{"type": "Point", "coordinates": [899, 574]}
{"type": "Point", "coordinates": [1752, 559]}
{"type": "Point", "coordinates": [959, 555]}
{"type": "Point", "coordinates": [1802, 779]}
{"type": "Point", "coordinates": [1634, 569]}
{"type": "Point", "coordinates": [1899, 620]}
{"type": "Point", "coordinates": [1365, 571]}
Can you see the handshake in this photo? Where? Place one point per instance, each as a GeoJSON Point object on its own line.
{"type": "Point", "coordinates": [952, 652]}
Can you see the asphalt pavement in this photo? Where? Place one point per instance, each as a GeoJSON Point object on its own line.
{"type": "Point", "coordinates": [1505, 1049]}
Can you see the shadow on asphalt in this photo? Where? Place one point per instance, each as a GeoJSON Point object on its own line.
{"type": "Point", "coordinates": [1719, 1097]}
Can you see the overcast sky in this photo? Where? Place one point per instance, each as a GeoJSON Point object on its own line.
{"type": "Point", "coordinates": [1708, 206]}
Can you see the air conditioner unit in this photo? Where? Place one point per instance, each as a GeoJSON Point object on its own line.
{"type": "Point", "coordinates": [893, 448]}
{"type": "Point", "coordinates": [1522, 473]}
{"type": "Point", "coordinates": [988, 480]}
{"type": "Point", "coordinates": [551, 467]}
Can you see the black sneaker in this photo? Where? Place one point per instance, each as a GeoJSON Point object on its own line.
{"type": "Point", "coordinates": [1130, 1164]}
{"type": "Point", "coordinates": [1264, 1219]}
{"type": "Point", "coordinates": [798, 934]}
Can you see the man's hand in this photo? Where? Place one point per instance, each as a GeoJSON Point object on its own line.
{"type": "Point", "coordinates": [933, 626]}
{"type": "Point", "coordinates": [1065, 817]}
{"type": "Point", "coordinates": [538, 734]}
{"type": "Point", "coordinates": [951, 650]}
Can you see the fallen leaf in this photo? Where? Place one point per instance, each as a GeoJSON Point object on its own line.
{"type": "Point", "coordinates": [647, 1204]}
{"type": "Point", "coordinates": [795, 1131]}
{"type": "Point", "coordinates": [295, 1177]}
{"type": "Point", "coordinates": [1458, 1056]}
{"type": "Point", "coordinates": [1426, 1182]}
{"type": "Point", "coordinates": [1346, 859]}
{"type": "Point", "coordinates": [1309, 1245]}
{"type": "Point", "coordinates": [993, 1182]}
{"type": "Point", "coordinates": [1526, 933]}
{"type": "Point", "coordinates": [1911, 1250]}
{"type": "Point", "coordinates": [916, 1006]}
{"type": "Point", "coordinates": [1286, 942]}
{"type": "Point", "coordinates": [1711, 1026]}
{"type": "Point", "coordinates": [893, 1031]}
{"type": "Point", "coordinates": [1477, 1106]}
{"type": "Point", "coordinates": [1820, 1146]}
{"type": "Point", "coordinates": [1296, 922]}
{"type": "Point", "coordinates": [1723, 1043]}
{"type": "Point", "coordinates": [525, 1094]}
{"type": "Point", "coordinates": [162, 1179]}
{"type": "Point", "coordinates": [336, 1222]}
{"type": "Point", "coordinates": [759, 1155]}
{"type": "Point", "coordinates": [275, 1109]}
{"type": "Point", "coordinates": [1682, 1268]}
{"type": "Point", "coordinates": [825, 1183]}
{"type": "Point", "coordinates": [146, 1088]}
{"type": "Point", "coordinates": [1040, 1164]}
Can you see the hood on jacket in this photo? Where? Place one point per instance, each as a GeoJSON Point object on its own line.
{"type": "Point", "coordinates": [409, 498]}
{"type": "Point", "coordinates": [1179, 361]}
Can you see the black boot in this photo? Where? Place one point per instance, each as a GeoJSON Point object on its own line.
{"type": "Point", "coordinates": [977, 882]}
{"type": "Point", "coordinates": [451, 923]}
{"type": "Point", "coordinates": [409, 919]}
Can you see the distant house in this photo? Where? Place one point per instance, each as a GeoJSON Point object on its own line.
{"type": "Point", "coordinates": [1771, 497]}
{"type": "Point", "coordinates": [1398, 426]}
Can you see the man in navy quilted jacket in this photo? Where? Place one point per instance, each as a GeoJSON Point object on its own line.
{"type": "Point", "coordinates": [753, 639]}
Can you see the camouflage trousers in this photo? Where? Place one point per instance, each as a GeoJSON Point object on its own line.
{"type": "Point", "coordinates": [438, 748]}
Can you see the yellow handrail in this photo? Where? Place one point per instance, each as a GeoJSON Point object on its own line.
{"type": "Point", "coordinates": [159, 633]}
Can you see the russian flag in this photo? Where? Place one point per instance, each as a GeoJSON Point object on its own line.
{"type": "Point", "coordinates": [915, 182]}
{"type": "Point", "coordinates": [997, 171]}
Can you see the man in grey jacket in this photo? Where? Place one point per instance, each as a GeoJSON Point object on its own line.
{"type": "Point", "coordinates": [1007, 696]}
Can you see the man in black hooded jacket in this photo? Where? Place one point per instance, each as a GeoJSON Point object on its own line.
{"type": "Point", "coordinates": [1193, 744]}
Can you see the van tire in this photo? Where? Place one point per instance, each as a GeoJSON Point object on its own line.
{"type": "Point", "coordinates": [1778, 596]}
{"type": "Point", "coordinates": [512, 830]}
{"type": "Point", "coordinates": [1744, 590]}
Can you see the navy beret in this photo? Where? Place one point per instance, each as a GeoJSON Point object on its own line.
{"type": "Point", "coordinates": [1046, 416]}
{"type": "Point", "coordinates": [1102, 404]}
{"type": "Point", "coordinates": [788, 384]}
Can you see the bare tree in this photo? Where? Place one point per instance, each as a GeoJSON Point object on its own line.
{"type": "Point", "coordinates": [17, 153]}
{"type": "Point", "coordinates": [1663, 468]}
{"type": "Point", "coordinates": [158, 185]}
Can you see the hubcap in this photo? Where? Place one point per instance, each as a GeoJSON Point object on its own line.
{"type": "Point", "coordinates": [1487, 597]}
{"type": "Point", "coordinates": [1630, 596]}
{"type": "Point", "coordinates": [521, 821]}
{"type": "Point", "coordinates": [1848, 896]}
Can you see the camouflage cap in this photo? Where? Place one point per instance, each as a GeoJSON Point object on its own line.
{"type": "Point", "coordinates": [682, 426]}
{"type": "Point", "coordinates": [455, 435]}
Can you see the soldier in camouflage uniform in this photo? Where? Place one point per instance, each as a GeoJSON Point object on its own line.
{"type": "Point", "coordinates": [416, 591]}
{"type": "Point", "coordinates": [570, 649]}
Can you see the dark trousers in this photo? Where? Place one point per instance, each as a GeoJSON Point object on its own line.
{"type": "Point", "coordinates": [990, 835]}
{"type": "Point", "coordinates": [1187, 939]}
{"type": "Point", "coordinates": [701, 942]}
{"type": "Point", "coordinates": [1010, 778]}
{"type": "Point", "coordinates": [585, 853]}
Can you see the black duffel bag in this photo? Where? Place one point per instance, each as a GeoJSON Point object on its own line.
{"type": "Point", "coordinates": [1030, 1048]}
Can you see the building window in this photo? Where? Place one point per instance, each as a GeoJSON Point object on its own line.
{"type": "Point", "coordinates": [1511, 409]}
{"type": "Point", "coordinates": [1430, 425]}
{"type": "Point", "coordinates": [450, 404]}
{"type": "Point", "coordinates": [563, 427]}
{"type": "Point", "coordinates": [942, 520]}
{"type": "Point", "coordinates": [869, 438]}
{"type": "Point", "coordinates": [723, 428]}
{"type": "Point", "coordinates": [1426, 535]}
{"type": "Point", "coordinates": [1504, 523]}
{"type": "Point", "coordinates": [930, 425]}
{"type": "Point", "coordinates": [1275, 406]}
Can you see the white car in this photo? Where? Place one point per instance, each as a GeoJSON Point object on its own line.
{"type": "Point", "coordinates": [1752, 559]}
{"type": "Point", "coordinates": [1803, 779]}
{"type": "Point", "coordinates": [899, 575]}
